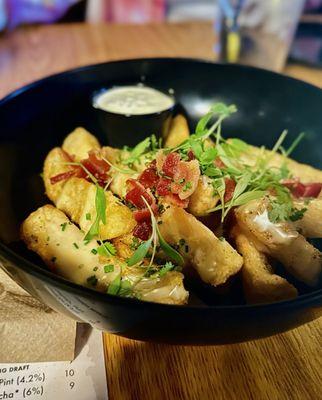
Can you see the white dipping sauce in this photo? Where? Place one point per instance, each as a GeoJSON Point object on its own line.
{"type": "Point", "coordinates": [133, 100]}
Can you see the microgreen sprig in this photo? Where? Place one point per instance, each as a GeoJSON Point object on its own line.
{"type": "Point", "coordinates": [155, 238]}
{"type": "Point", "coordinates": [100, 205]}
{"type": "Point", "coordinates": [118, 169]}
{"type": "Point", "coordinates": [252, 181]}
{"type": "Point", "coordinates": [147, 147]}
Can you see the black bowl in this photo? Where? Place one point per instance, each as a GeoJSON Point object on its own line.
{"type": "Point", "coordinates": [36, 118]}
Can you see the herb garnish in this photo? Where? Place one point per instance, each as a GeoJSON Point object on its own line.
{"type": "Point", "coordinates": [137, 151]}
{"type": "Point", "coordinates": [108, 268]}
{"type": "Point", "coordinates": [106, 249]}
{"type": "Point", "coordinates": [148, 147]}
{"type": "Point", "coordinates": [92, 280]}
{"type": "Point", "coordinates": [222, 160]}
{"type": "Point", "coordinates": [100, 205]}
{"type": "Point", "coordinates": [63, 226]}
{"type": "Point", "coordinates": [155, 238]}
{"type": "Point", "coordinates": [135, 243]}
{"type": "Point", "coordinates": [166, 268]}
{"type": "Point", "coordinates": [115, 285]}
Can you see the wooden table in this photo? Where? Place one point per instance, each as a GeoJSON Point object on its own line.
{"type": "Point", "coordinates": [286, 366]}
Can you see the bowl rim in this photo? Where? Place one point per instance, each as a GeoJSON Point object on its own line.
{"type": "Point", "coordinates": [305, 300]}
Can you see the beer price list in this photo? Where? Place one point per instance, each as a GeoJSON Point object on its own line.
{"type": "Point", "coordinates": [82, 379]}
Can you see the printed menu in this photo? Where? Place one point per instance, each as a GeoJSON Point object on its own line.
{"type": "Point", "coordinates": [82, 379]}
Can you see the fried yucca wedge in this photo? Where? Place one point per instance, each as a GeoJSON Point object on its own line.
{"type": "Point", "coordinates": [178, 131]}
{"type": "Point", "coordinates": [310, 225]}
{"type": "Point", "coordinates": [79, 142]}
{"type": "Point", "coordinates": [55, 164]}
{"type": "Point", "coordinates": [76, 197]}
{"type": "Point", "coordinates": [260, 284]}
{"type": "Point", "coordinates": [306, 173]}
{"type": "Point", "coordinates": [203, 198]}
{"type": "Point", "coordinates": [214, 259]}
{"type": "Point", "coordinates": [77, 200]}
{"type": "Point", "coordinates": [123, 245]}
{"type": "Point", "coordinates": [281, 241]}
{"type": "Point", "coordinates": [60, 244]}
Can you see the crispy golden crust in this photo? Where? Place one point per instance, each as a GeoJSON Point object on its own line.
{"type": "Point", "coordinates": [60, 244]}
{"type": "Point", "coordinates": [123, 245]}
{"type": "Point", "coordinates": [202, 199]}
{"type": "Point", "coordinates": [310, 225]}
{"type": "Point", "coordinates": [76, 196]}
{"type": "Point", "coordinates": [302, 260]}
{"type": "Point", "coordinates": [55, 163]}
{"type": "Point", "coordinates": [178, 131]}
{"type": "Point", "coordinates": [214, 260]}
{"type": "Point", "coordinates": [77, 200]}
{"type": "Point", "coordinates": [48, 232]}
{"type": "Point", "coordinates": [260, 283]}
{"type": "Point", "coordinates": [79, 142]}
{"type": "Point", "coordinates": [305, 172]}
{"type": "Point", "coordinates": [281, 241]}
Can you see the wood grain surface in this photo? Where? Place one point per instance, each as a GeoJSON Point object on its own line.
{"type": "Point", "coordinates": [286, 366]}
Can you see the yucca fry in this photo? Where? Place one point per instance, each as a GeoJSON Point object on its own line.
{"type": "Point", "coordinates": [79, 142]}
{"type": "Point", "coordinates": [77, 200]}
{"type": "Point", "coordinates": [301, 259]}
{"type": "Point", "coordinates": [260, 284]}
{"type": "Point", "coordinates": [310, 225]}
{"type": "Point", "coordinates": [214, 259]}
{"type": "Point", "coordinates": [203, 198]}
{"type": "Point", "coordinates": [76, 197]}
{"type": "Point", "coordinates": [55, 164]}
{"type": "Point", "coordinates": [123, 245]}
{"type": "Point", "coordinates": [60, 244]}
{"type": "Point", "coordinates": [281, 241]}
{"type": "Point", "coordinates": [306, 173]}
{"type": "Point", "coordinates": [178, 131]}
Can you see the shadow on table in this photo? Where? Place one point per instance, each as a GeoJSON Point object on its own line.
{"type": "Point", "coordinates": [278, 367]}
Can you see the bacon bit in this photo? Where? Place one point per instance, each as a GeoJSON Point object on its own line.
{"type": "Point", "coordinates": [75, 171]}
{"type": "Point", "coordinates": [142, 230]}
{"type": "Point", "coordinates": [96, 166]}
{"type": "Point", "coordinates": [170, 164]}
{"type": "Point", "coordinates": [218, 163]}
{"type": "Point", "coordinates": [191, 155]}
{"type": "Point", "coordinates": [67, 156]}
{"type": "Point", "coordinates": [142, 215]}
{"type": "Point", "coordinates": [230, 188]}
{"type": "Point", "coordinates": [149, 177]}
{"type": "Point", "coordinates": [63, 176]}
{"type": "Point", "coordinates": [163, 187]}
{"type": "Point", "coordinates": [175, 200]}
{"type": "Point", "coordinates": [299, 189]}
{"type": "Point", "coordinates": [93, 164]}
{"type": "Point", "coordinates": [134, 196]}
{"type": "Point", "coordinates": [312, 190]}
{"type": "Point", "coordinates": [186, 178]}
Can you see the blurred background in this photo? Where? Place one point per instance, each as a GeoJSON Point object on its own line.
{"type": "Point", "coordinates": [256, 32]}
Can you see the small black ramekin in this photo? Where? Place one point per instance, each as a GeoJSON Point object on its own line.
{"type": "Point", "coordinates": [135, 127]}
